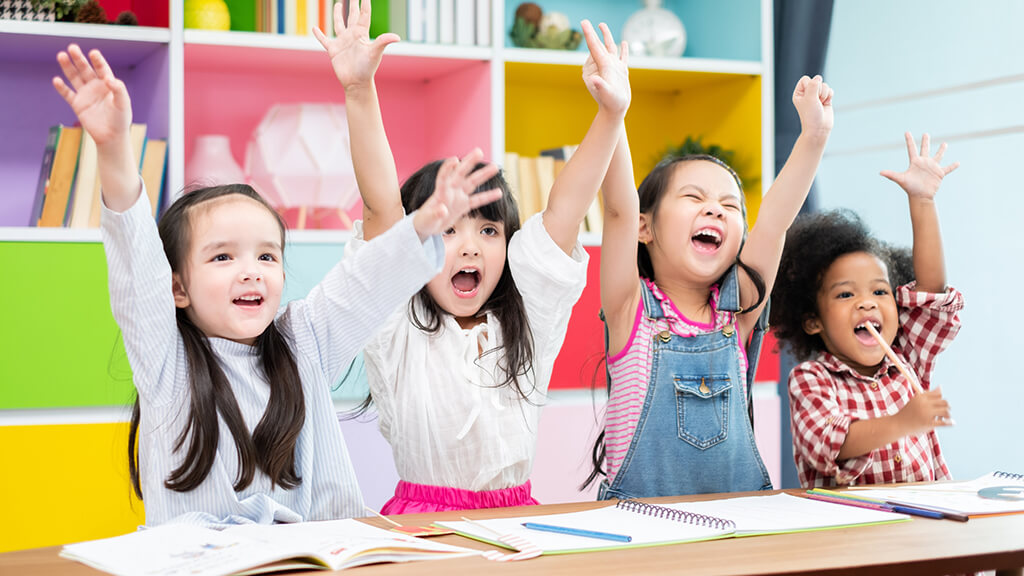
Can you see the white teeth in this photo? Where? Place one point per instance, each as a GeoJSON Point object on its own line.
{"type": "Point", "coordinates": [249, 298]}
{"type": "Point", "coordinates": [864, 325]}
{"type": "Point", "coordinates": [710, 232]}
{"type": "Point", "coordinates": [467, 270]}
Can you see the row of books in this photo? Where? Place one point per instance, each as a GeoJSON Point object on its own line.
{"type": "Point", "coordinates": [531, 179]}
{"type": "Point", "coordinates": [68, 192]}
{"type": "Point", "coordinates": [460, 22]}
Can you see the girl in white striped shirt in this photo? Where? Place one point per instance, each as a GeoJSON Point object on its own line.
{"type": "Point", "coordinates": [234, 420]}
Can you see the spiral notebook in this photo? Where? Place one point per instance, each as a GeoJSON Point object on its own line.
{"type": "Point", "coordinates": [992, 494]}
{"type": "Point", "coordinates": [655, 525]}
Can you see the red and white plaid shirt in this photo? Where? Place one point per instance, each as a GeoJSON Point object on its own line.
{"type": "Point", "coordinates": [826, 395]}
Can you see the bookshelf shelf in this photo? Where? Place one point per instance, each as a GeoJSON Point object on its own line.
{"type": "Point", "coordinates": [437, 100]}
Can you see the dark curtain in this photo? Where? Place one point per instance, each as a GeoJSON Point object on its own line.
{"type": "Point", "coordinates": [801, 38]}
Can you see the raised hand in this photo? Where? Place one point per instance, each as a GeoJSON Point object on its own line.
{"type": "Point", "coordinates": [353, 55]}
{"type": "Point", "coordinates": [605, 72]}
{"type": "Point", "coordinates": [924, 175]}
{"type": "Point", "coordinates": [812, 98]}
{"type": "Point", "coordinates": [454, 194]}
{"type": "Point", "coordinates": [923, 412]}
{"type": "Point", "coordinates": [96, 96]}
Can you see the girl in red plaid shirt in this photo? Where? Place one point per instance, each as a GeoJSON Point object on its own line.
{"type": "Point", "coordinates": [855, 417]}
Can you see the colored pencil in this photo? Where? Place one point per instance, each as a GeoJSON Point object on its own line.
{"type": "Point", "coordinates": [895, 359]}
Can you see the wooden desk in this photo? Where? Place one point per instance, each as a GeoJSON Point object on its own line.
{"type": "Point", "coordinates": [921, 546]}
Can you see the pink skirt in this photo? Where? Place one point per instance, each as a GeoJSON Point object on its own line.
{"type": "Point", "coordinates": [415, 498]}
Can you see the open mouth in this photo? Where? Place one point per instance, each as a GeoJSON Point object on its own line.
{"type": "Point", "coordinates": [865, 337]}
{"type": "Point", "coordinates": [251, 301]}
{"type": "Point", "coordinates": [465, 282]}
{"type": "Point", "coordinates": [706, 240]}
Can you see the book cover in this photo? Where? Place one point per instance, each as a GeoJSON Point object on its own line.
{"type": "Point", "coordinates": [431, 21]}
{"type": "Point", "coordinates": [62, 177]}
{"type": "Point", "coordinates": [173, 549]}
{"type": "Point", "coordinates": [244, 14]}
{"type": "Point", "coordinates": [44, 174]}
{"type": "Point", "coordinates": [416, 20]}
{"type": "Point", "coordinates": [154, 168]}
{"type": "Point", "coordinates": [545, 180]}
{"type": "Point", "coordinates": [85, 184]}
{"type": "Point", "coordinates": [529, 191]}
{"type": "Point", "coordinates": [465, 22]}
{"type": "Point", "coordinates": [446, 21]}
{"type": "Point", "coordinates": [483, 22]}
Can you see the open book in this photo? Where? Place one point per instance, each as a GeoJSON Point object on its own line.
{"type": "Point", "coordinates": [653, 525]}
{"type": "Point", "coordinates": [992, 494]}
{"type": "Point", "coordinates": [179, 549]}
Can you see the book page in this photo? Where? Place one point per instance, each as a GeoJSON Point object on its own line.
{"type": "Point", "coordinates": [992, 493]}
{"type": "Point", "coordinates": [173, 550]}
{"type": "Point", "coordinates": [644, 530]}
{"type": "Point", "coordinates": [346, 543]}
{"type": "Point", "coordinates": [784, 513]}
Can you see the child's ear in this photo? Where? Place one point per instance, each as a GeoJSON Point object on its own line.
{"type": "Point", "coordinates": [181, 299]}
{"type": "Point", "coordinates": [645, 234]}
{"type": "Point", "coordinates": [812, 325]}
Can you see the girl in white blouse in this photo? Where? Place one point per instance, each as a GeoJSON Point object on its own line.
{"type": "Point", "coordinates": [234, 420]}
{"type": "Point", "coordinates": [459, 376]}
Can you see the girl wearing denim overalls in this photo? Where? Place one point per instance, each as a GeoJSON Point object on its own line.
{"type": "Point", "coordinates": [682, 289]}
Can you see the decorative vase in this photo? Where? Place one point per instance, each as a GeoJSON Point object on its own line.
{"type": "Point", "coordinates": [212, 164]}
{"type": "Point", "coordinates": [207, 15]}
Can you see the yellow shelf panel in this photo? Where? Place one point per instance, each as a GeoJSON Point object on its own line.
{"type": "Point", "coordinates": [546, 106]}
{"type": "Point", "coordinates": [67, 483]}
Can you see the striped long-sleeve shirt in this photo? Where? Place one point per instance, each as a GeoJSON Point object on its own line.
{"type": "Point", "coordinates": [327, 329]}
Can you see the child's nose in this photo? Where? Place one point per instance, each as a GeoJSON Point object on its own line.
{"type": "Point", "coordinates": [867, 304]}
{"type": "Point", "coordinates": [470, 248]}
{"type": "Point", "coordinates": [251, 275]}
{"type": "Point", "coordinates": [713, 209]}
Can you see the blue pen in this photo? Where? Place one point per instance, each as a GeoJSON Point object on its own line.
{"type": "Point", "coordinates": [916, 511]}
{"type": "Point", "coordinates": [577, 532]}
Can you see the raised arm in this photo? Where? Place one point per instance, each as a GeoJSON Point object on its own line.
{"type": "Point", "coordinates": [104, 109]}
{"type": "Point", "coordinates": [921, 181]}
{"type": "Point", "coordinates": [813, 101]}
{"type": "Point", "coordinates": [607, 78]}
{"type": "Point", "coordinates": [620, 284]}
{"type": "Point", "coordinates": [355, 60]}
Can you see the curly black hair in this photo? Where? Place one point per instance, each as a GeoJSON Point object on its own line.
{"type": "Point", "coordinates": [813, 243]}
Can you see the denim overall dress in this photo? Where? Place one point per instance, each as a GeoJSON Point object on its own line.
{"type": "Point", "coordinates": [695, 431]}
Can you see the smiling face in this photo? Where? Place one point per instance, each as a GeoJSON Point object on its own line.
{"type": "Point", "coordinates": [233, 276]}
{"type": "Point", "coordinates": [697, 228]}
{"type": "Point", "coordinates": [474, 260]}
{"type": "Point", "coordinates": [855, 290]}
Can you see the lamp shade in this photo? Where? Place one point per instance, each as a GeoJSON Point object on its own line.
{"type": "Point", "coordinates": [299, 157]}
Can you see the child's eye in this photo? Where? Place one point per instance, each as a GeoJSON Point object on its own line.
{"type": "Point", "coordinates": [733, 207]}
{"type": "Point", "coordinates": [692, 196]}
{"type": "Point", "coordinates": [449, 232]}
{"type": "Point", "coordinates": [489, 231]}
{"type": "Point", "coordinates": [221, 258]}
{"type": "Point", "coordinates": [268, 258]}
{"type": "Point", "coordinates": [881, 292]}
{"type": "Point", "coordinates": [844, 295]}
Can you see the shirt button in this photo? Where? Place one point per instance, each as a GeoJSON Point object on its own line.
{"type": "Point", "coordinates": [897, 459]}
{"type": "Point", "coordinates": [874, 385]}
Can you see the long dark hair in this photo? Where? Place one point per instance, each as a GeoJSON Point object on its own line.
{"type": "Point", "coordinates": [271, 446]}
{"type": "Point", "coordinates": [651, 191]}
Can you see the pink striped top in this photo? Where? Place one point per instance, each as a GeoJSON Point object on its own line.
{"type": "Point", "coordinates": [630, 369]}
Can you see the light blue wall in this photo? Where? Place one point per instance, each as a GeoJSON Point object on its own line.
{"type": "Point", "coordinates": [956, 70]}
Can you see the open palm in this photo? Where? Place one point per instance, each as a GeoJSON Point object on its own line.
{"type": "Point", "coordinates": [354, 57]}
{"type": "Point", "coordinates": [97, 97]}
{"type": "Point", "coordinates": [606, 72]}
{"type": "Point", "coordinates": [924, 175]}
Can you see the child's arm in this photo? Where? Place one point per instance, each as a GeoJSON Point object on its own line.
{"type": "Point", "coordinates": [607, 78]}
{"type": "Point", "coordinates": [921, 181]}
{"type": "Point", "coordinates": [620, 287]}
{"type": "Point", "coordinates": [813, 101]}
{"type": "Point", "coordinates": [104, 109]}
{"type": "Point", "coordinates": [921, 414]}
{"type": "Point", "coordinates": [355, 60]}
